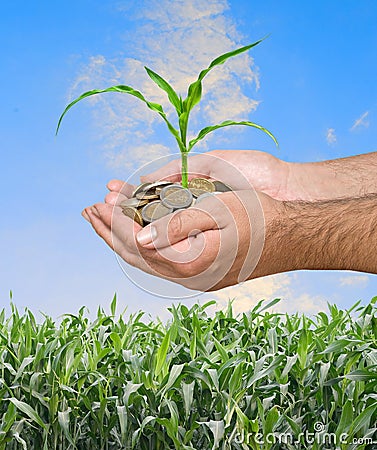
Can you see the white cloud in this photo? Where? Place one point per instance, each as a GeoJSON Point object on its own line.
{"type": "Point", "coordinates": [251, 292]}
{"type": "Point", "coordinates": [140, 155]}
{"type": "Point", "coordinates": [330, 136]}
{"type": "Point", "coordinates": [354, 280]}
{"type": "Point", "coordinates": [177, 40]}
{"type": "Point", "coordinates": [362, 121]}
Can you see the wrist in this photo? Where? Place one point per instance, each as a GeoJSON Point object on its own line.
{"type": "Point", "coordinates": [338, 178]}
{"type": "Point", "coordinates": [334, 234]}
{"type": "Point", "coordinates": [276, 256]}
{"type": "Point", "coordinates": [315, 181]}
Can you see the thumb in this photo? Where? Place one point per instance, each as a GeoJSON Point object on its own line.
{"type": "Point", "coordinates": [176, 227]}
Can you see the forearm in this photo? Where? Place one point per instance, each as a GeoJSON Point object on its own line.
{"type": "Point", "coordinates": [327, 235]}
{"type": "Point", "coordinates": [338, 178]}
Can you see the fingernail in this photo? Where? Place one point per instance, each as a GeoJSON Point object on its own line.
{"type": "Point", "coordinates": [147, 235]}
{"type": "Point", "coordinates": [94, 211]}
{"type": "Point", "coordinates": [85, 215]}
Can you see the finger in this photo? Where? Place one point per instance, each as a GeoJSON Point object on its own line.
{"type": "Point", "coordinates": [115, 198]}
{"type": "Point", "coordinates": [199, 166]}
{"type": "Point", "coordinates": [119, 232]}
{"type": "Point", "coordinates": [176, 227]}
{"type": "Point", "coordinates": [100, 227]}
{"type": "Point", "coordinates": [121, 187]}
{"type": "Point", "coordinates": [114, 218]}
{"type": "Point", "coordinates": [85, 215]}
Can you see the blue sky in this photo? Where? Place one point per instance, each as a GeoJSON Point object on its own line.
{"type": "Point", "coordinates": [312, 82]}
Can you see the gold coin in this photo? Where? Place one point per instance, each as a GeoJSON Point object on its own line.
{"type": "Point", "coordinates": [197, 192]}
{"type": "Point", "coordinates": [147, 195]}
{"type": "Point", "coordinates": [133, 214]}
{"type": "Point", "coordinates": [202, 183]}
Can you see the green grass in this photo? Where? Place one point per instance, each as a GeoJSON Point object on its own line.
{"type": "Point", "coordinates": [196, 382]}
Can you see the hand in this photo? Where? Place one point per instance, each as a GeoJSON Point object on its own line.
{"type": "Point", "coordinates": [241, 169]}
{"type": "Point", "coordinates": [216, 244]}
{"type": "Point", "coordinates": [246, 169]}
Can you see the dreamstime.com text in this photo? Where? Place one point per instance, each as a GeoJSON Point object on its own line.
{"type": "Point", "coordinates": [319, 436]}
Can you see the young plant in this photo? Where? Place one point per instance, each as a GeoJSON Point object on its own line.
{"type": "Point", "coordinates": [182, 107]}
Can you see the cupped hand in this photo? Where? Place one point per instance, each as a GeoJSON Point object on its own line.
{"type": "Point", "coordinates": [217, 243]}
{"type": "Point", "coordinates": [241, 169]}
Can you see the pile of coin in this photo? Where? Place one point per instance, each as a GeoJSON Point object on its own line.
{"type": "Point", "coordinates": [151, 201]}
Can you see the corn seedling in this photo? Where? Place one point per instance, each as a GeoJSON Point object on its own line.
{"type": "Point", "coordinates": [198, 381]}
{"type": "Point", "coordinates": [183, 107]}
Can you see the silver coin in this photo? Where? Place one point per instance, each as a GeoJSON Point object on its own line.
{"type": "Point", "coordinates": [221, 187]}
{"type": "Point", "coordinates": [159, 184]}
{"type": "Point", "coordinates": [176, 197]}
{"type": "Point", "coordinates": [155, 210]}
{"type": "Point", "coordinates": [141, 188]}
{"type": "Point", "coordinates": [133, 202]}
{"type": "Point", "coordinates": [205, 195]}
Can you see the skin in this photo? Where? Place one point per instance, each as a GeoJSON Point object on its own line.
{"type": "Point", "coordinates": [291, 221]}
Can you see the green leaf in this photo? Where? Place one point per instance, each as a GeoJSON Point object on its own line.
{"type": "Point", "coordinates": [302, 348]}
{"type": "Point", "coordinates": [340, 345]}
{"type": "Point", "coordinates": [188, 396]}
{"type": "Point", "coordinates": [161, 353]}
{"type": "Point", "coordinates": [361, 375]}
{"type": "Point", "coordinates": [269, 305]}
{"type": "Point", "coordinates": [345, 418]}
{"type": "Point", "coordinates": [29, 411]}
{"type": "Point", "coordinates": [124, 90]}
{"type": "Point", "coordinates": [363, 419]}
{"type": "Point", "coordinates": [227, 123]}
{"type": "Point", "coordinates": [8, 418]}
{"type": "Point", "coordinates": [222, 58]}
{"type": "Point", "coordinates": [271, 419]}
{"type": "Point", "coordinates": [175, 372]}
{"type": "Point", "coordinates": [165, 86]}
{"type": "Point", "coordinates": [123, 419]}
{"type": "Point", "coordinates": [217, 428]}
{"type": "Point", "coordinates": [63, 419]}
{"type": "Point", "coordinates": [195, 89]}
{"type": "Point", "coordinates": [113, 305]}
{"type": "Point", "coordinates": [257, 375]}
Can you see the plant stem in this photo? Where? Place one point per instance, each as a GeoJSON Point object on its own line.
{"type": "Point", "coordinates": [184, 169]}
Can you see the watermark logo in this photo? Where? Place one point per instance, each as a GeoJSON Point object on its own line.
{"type": "Point", "coordinates": [319, 436]}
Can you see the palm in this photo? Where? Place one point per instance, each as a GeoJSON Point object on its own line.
{"type": "Point", "coordinates": [241, 169]}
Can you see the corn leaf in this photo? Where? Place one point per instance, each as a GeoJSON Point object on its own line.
{"type": "Point", "coordinates": [29, 411]}
{"type": "Point", "coordinates": [345, 418]}
{"type": "Point", "coordinates": [362, 421]}
{"type": "Point", "coordinates": [195, 89]}
{"type": "Point", "coordinates": [165, 86]}
{"type": "Point", "coordinates": [361, 375]}
{"type": "Point", "coordinates": [202, 133]}
{"type": "Point", "coordinates": [161, 353]}
{"type": "Point", "coordinates": [124, 90]}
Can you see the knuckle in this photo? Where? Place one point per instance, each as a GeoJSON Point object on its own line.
{"type": "Point", "coordinates": [175, 225]}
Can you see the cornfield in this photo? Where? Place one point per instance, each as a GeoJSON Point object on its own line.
{"type": "Point", "coordinates": [199, 381]}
